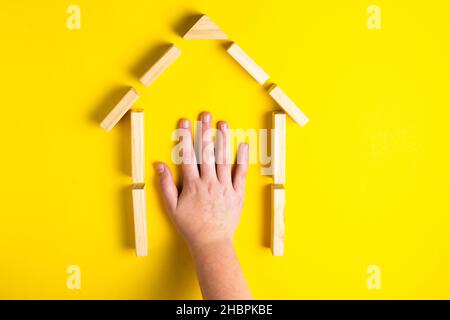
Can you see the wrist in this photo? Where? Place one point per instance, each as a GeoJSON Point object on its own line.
{"type": "Point", "coordinates": [209, 246]}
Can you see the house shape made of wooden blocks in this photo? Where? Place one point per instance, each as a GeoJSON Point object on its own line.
{"type": "Point", "coordinates": [205, 29]}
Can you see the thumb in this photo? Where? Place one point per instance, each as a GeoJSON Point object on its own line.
{"type": "Point", "coordinates": [168, 188]}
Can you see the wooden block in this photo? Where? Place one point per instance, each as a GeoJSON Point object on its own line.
{"type": "Point", "coordinates": [288, 105]}
{"type": "Point", "coordinates": [204, 28]}
{"type": "Point", "coordinates": [140, 219]}
{"type": "Point", "coordinates": [279, 147]}
{"type": "Point", "coordinates": [120, 109]}
{"type": "Point", "coordinates": [137, 147]}
{"type": "Point", "coordinates": [247, 63]}
{"type": "Point", "coordinates": [162, 64]}
{"type": "Point", "coordinates": [278, 219]}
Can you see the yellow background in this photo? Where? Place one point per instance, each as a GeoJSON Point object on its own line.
{"type": "Point", "coordinates": [367, 178]}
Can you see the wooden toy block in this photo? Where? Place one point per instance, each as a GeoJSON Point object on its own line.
{"type": "Point", "coordinates": [137, 147]}
{"type": "Point", "coordinates": [278, 219]}
{"type": "Point", "coordinates": [160, 66]}
{"type": "Point", "coordinates": [288, 105]}
{"type": "Point", "coordinates": [140, 219]}
{"type": "Point", "coordinates": [247, 63]}
{"type": "Point", "coordinates": [204, 28]}
{"type": "Point", "coordinates": [279, 147]}
{"type": "Point", "coordinates": [120, 109]}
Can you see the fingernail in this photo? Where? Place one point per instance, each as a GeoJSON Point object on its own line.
{"type": "Point", "coordinates": [159, 167]}
{"type": "Point", "coordinates": [223, 126]}
{"type": "Point", "coordinates": [184, 123]}
{"type": "Point", "coordinates": [206, 117]}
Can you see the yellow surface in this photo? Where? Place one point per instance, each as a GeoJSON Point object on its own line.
{"type": "Point", "coordinates": [367, 178]}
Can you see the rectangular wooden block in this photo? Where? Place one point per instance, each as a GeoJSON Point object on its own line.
{"type": "Point", "coordinates": [247, 63]}
{"type": "Point", "coordinates": [279, 147]}
{"type": "Point", "coordinates": [278, 219]}
{"type": "Point", "coordinates": [288, 105]}
{"type": "Point", "coordinates": [137, 147]}
{"type": "Point", "coordinates": [160, 66]}
{"type": "Point", "coordinates": [120, 109]}
{"type": "Point", "coordinates": [140, 219]}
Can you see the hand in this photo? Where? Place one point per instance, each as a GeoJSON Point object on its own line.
{"type": "Point", "coordinates": [208, 208]}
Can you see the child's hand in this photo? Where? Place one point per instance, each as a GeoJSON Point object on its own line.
{"type": "Point", "coordinates": [208, 208]}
